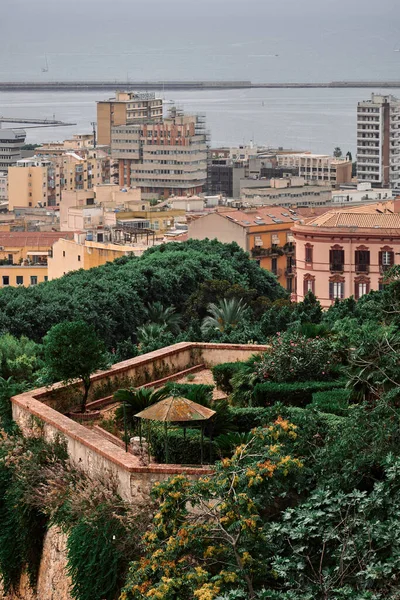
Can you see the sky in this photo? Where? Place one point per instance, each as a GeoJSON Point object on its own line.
{"type": "Point", "coordinates": [258, 40]}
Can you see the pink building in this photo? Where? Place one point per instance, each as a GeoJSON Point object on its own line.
{"type": "Point", "coordinates": [346, 252]}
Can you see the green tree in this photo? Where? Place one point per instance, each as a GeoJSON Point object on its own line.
{"type": "Point", "coordinates": [227, 313]}
{"type": "Point", "coordinates": [165, 316]}
{"type": "Point", "coordinates": [73, 351]}
{"type": "Point", "coordinates": [337, 153]}
{"type": "Point", "coordinates": [136, 400]}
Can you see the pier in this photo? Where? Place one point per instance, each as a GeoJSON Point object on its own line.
{"type": "Point", "coordinates": [68, 86]}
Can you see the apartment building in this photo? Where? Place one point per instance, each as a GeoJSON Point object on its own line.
{"type": "Point", "coordinates": [264, 232]}
{"type": "Point", "coordinates": [126, 108]}
{"type": "Point", "coordinates": [378, 141]}
{"type": "Point", "coordinates": [162, 158]}
{"type": "Point", "coordinates": [362, 193]}
{"type": "Point", "coordinates": [40, 180]}
{"type": "Point", "coordinates": [346, 252]}
{"type": "Point", "coordinates": [317, 168]}
{"type": "Point", "coordinates": [11, 142]}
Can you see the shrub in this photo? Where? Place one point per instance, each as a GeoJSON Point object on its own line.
{"type": "Point", "coordinates": [196, 392]}
{"type": "Point", "coordinates": [246, 418]}
{"type": "Point", "coordinates": [332, 401]}
{"type": "Point", "coordinates": [223, 374]}
{"type": "Point", "coordinates": [295, 394]}
{"type": "Point", "coordinates": [294, 356]}
{"type": "Point", "coordinates": [182, 449]}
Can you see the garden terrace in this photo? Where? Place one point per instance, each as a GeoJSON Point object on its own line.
{"type": "Point", "coordinates": [44, 410]}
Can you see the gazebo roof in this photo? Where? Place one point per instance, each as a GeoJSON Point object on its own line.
{"type": "Point", "coordinates": [176, 409]}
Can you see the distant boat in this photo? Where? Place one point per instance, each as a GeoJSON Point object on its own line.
{"type": "Point", "coordinates": [397, 50]}
{"type": "Point", "coordinates": [46, 68]}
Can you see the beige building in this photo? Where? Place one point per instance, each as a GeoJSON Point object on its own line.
{"type": "Point", "coordinates": [287, 192]}
{"type": "Point", "coordinates": [317, 168]}
{"type": "Point", "coordinates": [3, 186]}
{"type": "Point", "coordinates": [126, 108]}
{"type": "Point", "coordinates": [79, 253]}
{"type": "Point", "coordinates": [11, 142]}
{"type": "Point", "coordinates": [41, 180]}
{"type": "Point", "coordinates": [163, 159]}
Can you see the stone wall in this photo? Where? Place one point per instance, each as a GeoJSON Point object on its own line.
{"type": "Point", "coordinates": [53, 580]}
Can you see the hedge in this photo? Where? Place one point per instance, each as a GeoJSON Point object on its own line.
{"type": "Point", "coordinates": [223, 374]}
{"type": "Point", "coordinates": [295, 394]}
{"type": "Point", "coordinates": [180, 450]}
{"type": "Point", "coordinates": [245, 419]}
{"type": "Point", "coordinates": [335, 402]}
{"type": "Point", "coordinates": [197, 392]}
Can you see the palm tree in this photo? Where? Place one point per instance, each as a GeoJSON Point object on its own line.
{"type": "Point", "coordinates": [136, 400]}
{"type": "Point", "coordinates": [158, 314]}
{"type": "Point", "coordinates": [150, 333]}
{"type": "Point", "coordinates": [227, 313]}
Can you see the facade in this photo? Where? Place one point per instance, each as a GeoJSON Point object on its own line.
{"type": "Point", "coordinates": [346, 252]}
{"type": "Point", "coordinates": [126, 108]}
{"type": "Point", "coordinates": [317, 168]}
{"type": "Point", "coordinates": [24, 256]}
{"type": "Point", "coordinates": [164, 158]}
{"type": "Point", "coordinates": [11, 142]}
{"type": "Point", "coordinates": [361, 194]}
{"type": "Point", "coordinates": [264, 232]}
{"type": "Point", "coordinates": [287, 192]}
{"type": "Point", "coordinates": [378, 141]}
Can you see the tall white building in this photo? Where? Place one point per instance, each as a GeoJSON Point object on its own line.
{"type": "Point", "coordinates": [378, 141]}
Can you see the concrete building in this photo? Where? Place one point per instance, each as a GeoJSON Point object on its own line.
{"type": "Point", "coordinates": [346, 252]}
{"type": "Point", "coordinates": [24, 256]}
{"type": "Point", "coordinates": [264, 232]}
{"type": "Point", "coordinates": [316, 168]}
{"type": "Point", "coordinates": [287, 192]}
{"type": "Point", "coordinates": [362, 193]}
{"type": "Point", "coordinates": [11, 142]}
{"type": "Point", "coordinates": [162, 158]}
{"type": "Point", "coordinates": [378, 141]}
{"type": "Point", "coordinates": [126, 108]}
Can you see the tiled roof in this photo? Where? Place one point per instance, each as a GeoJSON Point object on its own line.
{"type": "Point", "coordinates": [265, 215]}
{"type": "Point", "coordinates": [32, 239]}
{"type": "Point", "coordinates": [373, 216]}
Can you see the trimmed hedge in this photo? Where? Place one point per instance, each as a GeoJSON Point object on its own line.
{"type": "Point", "coordinates": [245, 419]}
{"type": "Point", "coordinates": [294, 394]}
{"type": "Point", "coordinates": [180, 450]}
{"type": "Point", "coordinates": [335, 402]}
{"type": "Point", "coordinates": [223, 374]}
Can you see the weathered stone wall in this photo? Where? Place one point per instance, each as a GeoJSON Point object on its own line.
{"type": "Point", "coordinates": [53, 580]}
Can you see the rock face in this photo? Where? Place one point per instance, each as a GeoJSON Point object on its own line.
{"type": "Point", "coordinates": [53, 581]}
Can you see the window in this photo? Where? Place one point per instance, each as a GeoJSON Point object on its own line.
{"type": "Point", "coordinates": [46, 278]}
{"type": "Point", "coordinates": [33, 279]}
{"type": "Point", "coordinates": [79, 258]}
{"type": "Point", "coordinates": [289, 284]}
{"type": "Point", "coordinates": [308, 284]}
{"type": "Point", "coordinates": [386, 260]}
{"type": "Point", "coordinates": [362, 289]}
{"type": "Point", "coordinates": [20, 280]}
{"type": "Point", "coordinates": [362, 261]}
{"type": "Point", "coordinates": [274, 266]}
{"type": "Point", "coordinates": [63, 252]}
{"type": "Point", "coordinates": [309, 254]}
{"type": "Point", "coordinates": [336, 290]}
{"type": "Point", "coordinates": [6, 280]}
{"type": "Point", "coordinates": [336, 259]}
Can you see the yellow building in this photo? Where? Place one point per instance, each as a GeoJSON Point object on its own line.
{"type": "Point", "coordinates": [24, 256]}
{"type": "Point", "coordinates": [79, 253]}
{"type": "Point", "coordinates": [265, 232]}
{"type": "Point", "coordinates": [155, 219]}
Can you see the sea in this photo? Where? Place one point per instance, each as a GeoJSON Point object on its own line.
{"type": "Point", "coordinates": [159, 40]}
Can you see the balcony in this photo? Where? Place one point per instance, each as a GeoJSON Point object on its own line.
{"type": "Point", "coordinates": [290, 271]}
{"type": "Point", "coordinates": [362, 268]}
{"type": "Point", "coordinates": [289, 249]}
{"type": "Point", "coordinates": [336, 267]}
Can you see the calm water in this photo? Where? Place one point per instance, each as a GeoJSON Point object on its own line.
{"type": "Point", "coordinates": [316, 120]}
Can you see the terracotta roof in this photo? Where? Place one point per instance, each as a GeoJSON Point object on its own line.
{"type": "Point", "coordinates": [264, 215]}
{"type": "Point", "coordinates": [32, 239]}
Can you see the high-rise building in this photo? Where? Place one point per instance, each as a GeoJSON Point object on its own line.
{"type": "Point", "coordinates": [378, 141]}
{"type": "Point", "coordinates": [11, 142]}
{"type": "Point", "coordinates": [126, 108]}
{"type": "Point", "coordinates": [162, 158]}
